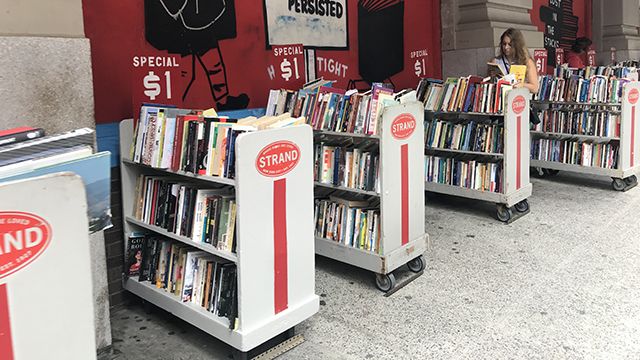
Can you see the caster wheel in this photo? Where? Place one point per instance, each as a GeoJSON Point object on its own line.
{"type": "Point", "coordinates": [618, 184]}
{"type": "Point", "coordinates": [631, 180]}
{"type": "Point", "coordinates": [551, 172]}
{"type": "Point", "coordinates": [504, 213]}
{"type": "Point", "coordinates": [538, 172]}
{"type": "Point", "coordinates": [416, 265]}
{"type": "Point", "coordinates": [522, 206]}
{"type": "Point", "coordinates": [385, 282]}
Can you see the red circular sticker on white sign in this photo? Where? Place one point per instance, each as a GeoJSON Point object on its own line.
{"type": "Point", "coordinates": [403, 126]}
{"type": "Point", "coordinates": [518, 104]}
{"type": "Point", "coordinates": [278, 158]}
{"type": "Point", "coordinates": [633, 96]}
{"type": "Point", "coordinates": [23, 237]}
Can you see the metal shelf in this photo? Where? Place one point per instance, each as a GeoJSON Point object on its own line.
{"type": "Point", "coordinates": [193, 314]}
{"type": "Point", "coordinates": [573, 103]}
{"type": "Point", "coordinates": [479, 153]}
{"type": "Point", "coordinates": [369, 260]}
{"type": "Point", "coordinates": [499, 198]}
{"type": "Point", "coordinates": [345, 134]}
{"type": "Point", "coordinates": [214, 179]}
{"type": "Point", "coordinates": [348, 189]}
{"type": "Point", "coordinates": [185, 240]}
{"type": "Point", "coordinates": [459, 113]}
{"type": "Point", "coordinates": [576, 136]}
{"type": "Point", "coordinates": [594, 170]}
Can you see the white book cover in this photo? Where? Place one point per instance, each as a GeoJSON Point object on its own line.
{"type": "Point", "coordinates": [189, 273]}
{"type": "Point", "coordinates": [199, 213]}
{"type": "Point", "coordinates": [169, 135]}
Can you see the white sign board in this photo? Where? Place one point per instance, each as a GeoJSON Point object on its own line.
{"type": "Point", "coordinates": [317, 24]}
{"type": "Point", "coordinates": [46, 299]}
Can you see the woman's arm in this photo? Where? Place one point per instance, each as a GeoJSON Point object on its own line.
{"type": "Point", "coordinates": [531, 79]}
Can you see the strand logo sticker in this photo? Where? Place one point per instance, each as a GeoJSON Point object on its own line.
{"type": "Point", "coordinates": [403, 126]}
{"type": "Point", "coordinates": [518, 104]}
{"type": "Point", "coordinates": [278, 158]}
{"type": "Point", "coordinates": [23, 237]}
{"type": "Point", "coordinates": [634, 94]}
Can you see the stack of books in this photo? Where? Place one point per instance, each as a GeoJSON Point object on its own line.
{"type": "Point", "coordinates": [26, 152]}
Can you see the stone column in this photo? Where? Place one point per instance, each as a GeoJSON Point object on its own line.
{"type": "Point", "coordinates": [616, 24]}
{"type": "Point", "coordinates": [471, 31]}
{"type": "Point", "coordinates": [46, 81]}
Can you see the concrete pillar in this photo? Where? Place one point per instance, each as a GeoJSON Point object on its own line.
{"type": "Point", "coordinates": [46, 81]}
{"type": "Point", "coordinates": [616, 24]}
{"type": "Point", "coordinates": [471, 31]}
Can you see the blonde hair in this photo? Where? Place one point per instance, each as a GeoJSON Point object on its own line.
{"type": "Point", "coordinates": [521, 53]}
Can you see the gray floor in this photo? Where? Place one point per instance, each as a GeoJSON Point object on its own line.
{"type": "Point", "coordinates": [559, 283]}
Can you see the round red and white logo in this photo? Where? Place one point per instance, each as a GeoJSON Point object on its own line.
{"type": "Point", "coordinates": [518, 104]}
{"type": "Point", "coordinates": [23, 237]}
{"type": "Point", "coordinates": [634, 94]}
{"type": "Point", "coordinates": [403, 126]}
{"type": "Point", "coordinates": [278, 158]}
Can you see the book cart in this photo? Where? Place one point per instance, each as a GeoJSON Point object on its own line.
{"type": "Point", "coordinates": [43, 220]}
{"type": "Point", "coordinates": [403, 238]}
{"type": "Point", "coordinates": [274, 226]}
{"type": "Point", "coordinates": [511, 197]}
{"type": "Point", "coordinates": [628, 157]}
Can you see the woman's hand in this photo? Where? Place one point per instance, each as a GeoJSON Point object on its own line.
{"type": "Point", "coordinates": [518, 85]}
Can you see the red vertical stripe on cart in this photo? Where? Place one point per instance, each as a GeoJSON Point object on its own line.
{"type": "Point", "coordinates": [633, 134]}
{"type": "Point", "coordinates": [280, 287]}
{"type": "Point", "coordinates": [404, 179]}
{"type": "Point", "coordinates": [518, 151]}
{"type": "Point", "coordinates": [6, 348]}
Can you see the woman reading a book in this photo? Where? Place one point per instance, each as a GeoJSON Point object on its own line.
{"type": "Point", "coordinates": [514, 59]}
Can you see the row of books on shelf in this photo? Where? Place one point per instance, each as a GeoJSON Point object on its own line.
{"type": "Point", "coordinates": [595, 89]}
{"type": "Point", "coordinates": [601, 123]}
{"type": "Point", "coordinates": [621, 70]}
{"type": "Point", "coordinates": [204, 215]}
{"type": "Point", "coordinates": [332, 109]}
{"type": "Point", "coordinates": [352, 223]}
{"type": "Point", "coordinates": [604, 155]}
{"type": "Point", "coordinates": [194, 141]}
{"type": "Point", "coordinates": [465, 94]}
{"type": "Point", "coordinates": [190, 275]}
{"type": "Point", "coordinates": [464, 171]}
{"type": "Point", "coordinates": [471, 136]}
{"type": "Point", "coordinates": [352, 167]}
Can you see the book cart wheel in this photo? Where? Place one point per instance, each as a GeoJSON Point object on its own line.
{"type": "Point", "coordinates": [504, 213]}
{"type": "Point", "coordinates": [385, 282]}
{"type": "Point", "coordinates": [618, 184]}
{"type": "Point", "coordinates": [522, 206]}
{"type": "Point", "coordinates": [631, 180]}
{"type": "Point", "coordinates": [416, 265]}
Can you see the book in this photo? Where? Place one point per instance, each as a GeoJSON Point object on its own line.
{"type": "Point", "coordinates": [135, 249]}
{"type": "Point", "coordinates": [19, 134]}
{"type": "Point", "coordinates": [520, 72]}
{"type": "Point", "coordinates": [499, 69]}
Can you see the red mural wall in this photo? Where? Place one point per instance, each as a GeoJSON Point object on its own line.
{"type": "Point", "coordinates": [561, 21]}
{"type": "Point", "coordinates": [230, 64]}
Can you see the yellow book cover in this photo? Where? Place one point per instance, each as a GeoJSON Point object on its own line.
{"type": "Point", "coordinates": [519, 71]}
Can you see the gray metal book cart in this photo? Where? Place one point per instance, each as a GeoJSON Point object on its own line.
{"type": "Point", "coordinates": [511, 196]}
{"type": "Point", "coordinates": [627, 158]}
{"type": "Point", "coordinates": [275, 263]}
{"type": "Point", "coordinates": [403, 239]}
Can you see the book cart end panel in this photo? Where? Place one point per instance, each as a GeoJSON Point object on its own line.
{"type": "Point", "coordinates": [516, 141]}
{"type": "Point", "coordinates": [40, 246]}
{"type": "Point", "coordinates": [402, 176]}
{"type": "Point", "coordinates": [276, 258]}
